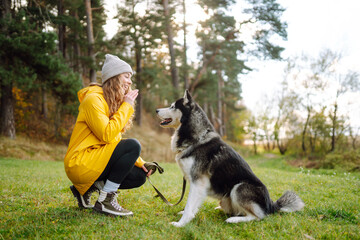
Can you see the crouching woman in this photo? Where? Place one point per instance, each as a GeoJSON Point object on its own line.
{"type": "Point", "coordinates": [98, 159]}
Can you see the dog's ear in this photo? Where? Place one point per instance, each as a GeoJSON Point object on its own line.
{"type": "Point", "coordinates": [187, 97]}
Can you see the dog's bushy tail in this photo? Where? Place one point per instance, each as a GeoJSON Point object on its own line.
{"type": "Point", "coordinates": [289, 202]}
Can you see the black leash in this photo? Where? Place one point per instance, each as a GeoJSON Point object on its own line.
{"type": "Point", "coordinates": [155, 166]}
{"type": "Point", "coordinates": [162, 196]}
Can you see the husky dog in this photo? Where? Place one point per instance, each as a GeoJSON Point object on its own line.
{"type": "Point", "coordinates": [214, 169]}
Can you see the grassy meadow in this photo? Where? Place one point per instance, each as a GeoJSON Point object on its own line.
{"type": "Point", "coordinates": [36, 203]}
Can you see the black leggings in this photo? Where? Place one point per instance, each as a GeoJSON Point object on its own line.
{"type": "Point", "coordinates": [120, 168]}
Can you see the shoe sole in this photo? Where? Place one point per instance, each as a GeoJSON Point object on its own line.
{"type": "Point", "coordinates": [111, 214]}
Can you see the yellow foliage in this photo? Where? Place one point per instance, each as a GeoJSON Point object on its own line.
{"type": "Point", "coordinates": [22, 109]}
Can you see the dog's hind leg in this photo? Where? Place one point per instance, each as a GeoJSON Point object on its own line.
{"type": "Point", "coordinates": [225, 205]}
{"type": "Point", "coordinates": [197, 194]}
{"type": "Point", "coordinates": [243, 205]}
{"type": "Point", "coordinates": [252, 212]}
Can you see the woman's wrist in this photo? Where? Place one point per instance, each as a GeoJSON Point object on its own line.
{"type": "Point", "coordinates": [129, 102]}
{"type": "Point", "coordinates": [131, 96]}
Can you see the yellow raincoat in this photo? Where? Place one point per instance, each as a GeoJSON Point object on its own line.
{"type": "Point", "coordinates": [94, 138]}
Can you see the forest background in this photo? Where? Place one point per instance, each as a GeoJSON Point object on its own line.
{"type": "Point", "coordinates": [51, 49]}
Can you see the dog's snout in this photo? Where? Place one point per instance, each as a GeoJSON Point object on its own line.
{"type": "Point", "coordinates": [157, 110]}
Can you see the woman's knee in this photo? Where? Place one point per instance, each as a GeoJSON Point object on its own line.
{"type": "Point", "coordinates": [141, 180]}
{"type": "Point", "coordinates": [135, 179]}
{"type": "Point", "coordinates": [133, 144]}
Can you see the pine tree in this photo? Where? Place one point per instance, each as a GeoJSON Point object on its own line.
{"type": "Point", "coordinates": [138, 35]}
{"type": "Point", "coordinates": [31, 62]}
{"type": "Point", "coordinates": [223, 52]}
{"type": "Point", "coordinates": [7, 121]}
{"type": "Point", "coordinates": [170, 39]}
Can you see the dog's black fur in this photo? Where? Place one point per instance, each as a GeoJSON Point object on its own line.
{"type": "Point", "coordinates": [215, 169]}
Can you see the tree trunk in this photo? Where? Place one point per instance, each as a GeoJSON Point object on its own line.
{"type": "Point", "coordinates": [185, 67]}
{"type": "Point", "coordinates": [282, 148]}
{"type": "Point", "coordinates": [57, 118]}
{"type": "Point", "coordinates": [353, 143]}
{"type": "Point", "coordinates": [219, 103]}
{"type": "Point", "coordinates": [224, 121]}
{"type": "Point", "coordinates": [267, 141]}
{"type": "Point", "coordinates": [90, 36]}
{"type": "Point", "coordinates": [254, 143]}
{"type": "Point", "coordinates": [353, 137]}
{"type": "Point", "coordinates": [7, 120]}
{"type": "Point", "coordinates": [334, 123]}
{"type": "Point", "coordinates": [5, 10]}
{"type": "Point", "coordinates": [7, 126]}
{"type": "Point", "coordinates": [311, 143]}
{"type": "Point", "coordinates": [76, 46]}
{"type": "Point", "coordinates": [62, 29]}
{"type": "Point", "coordinates": [315, 139]}
{"type": "Point", "coordinates": [138, 117]}
{"type": "Point", "coordinates": [174, 72]}
{"type": "Point", "coordinates": [44, 108]}
{"type": "Point", "coordinates": [212, 115]}
{"type": "Point", "coordinates": [304, 130]}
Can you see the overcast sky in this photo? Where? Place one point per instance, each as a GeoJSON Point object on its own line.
{"type": "Point", "coordinates": [313, 25]}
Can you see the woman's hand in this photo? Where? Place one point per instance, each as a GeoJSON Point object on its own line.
{"type": "Point", "coordinates": [131, 96]}
{"type": "Point", "coordinates": [145, 170]}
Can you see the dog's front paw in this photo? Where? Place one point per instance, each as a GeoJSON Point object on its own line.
{"type": "Point", "coordinates": [181, 212]}
{"type": "Point", "coordinates": [177, 224]}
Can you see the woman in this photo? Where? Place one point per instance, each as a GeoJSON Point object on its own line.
{"type": "Point", "coordinates": [98, 159]}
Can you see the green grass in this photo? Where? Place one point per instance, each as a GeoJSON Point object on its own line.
{"type": "Point", "coordinates": [36, 203]}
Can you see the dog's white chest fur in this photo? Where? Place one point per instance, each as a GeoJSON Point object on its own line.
{"type": "Point", "coordinates": [174, 139]}
{"type": "Point", "coordinates": [185, 165]}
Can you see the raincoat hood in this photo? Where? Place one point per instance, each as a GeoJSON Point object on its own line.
{"type": "Point", "coordinates": [89, 90]}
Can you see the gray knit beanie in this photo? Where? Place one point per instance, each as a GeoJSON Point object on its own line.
{"type": "Point", "coordinates": [114, 66]}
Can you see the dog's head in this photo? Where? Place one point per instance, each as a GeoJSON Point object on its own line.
{"type": "Point", "coordinates": [177, 113]}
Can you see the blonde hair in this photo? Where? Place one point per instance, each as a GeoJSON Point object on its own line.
{"type": "Point", "coordinates": [114, 92]}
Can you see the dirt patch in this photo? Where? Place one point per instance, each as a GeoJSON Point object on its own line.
{"type": "Point", "coordinates": [304, 163]}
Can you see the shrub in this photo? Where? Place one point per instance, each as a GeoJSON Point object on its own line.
{"type": "Point", "coordinates": [350, 160]}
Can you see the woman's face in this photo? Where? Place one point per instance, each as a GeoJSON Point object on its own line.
{"type": "Point", "coordinates": [125, 79]}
